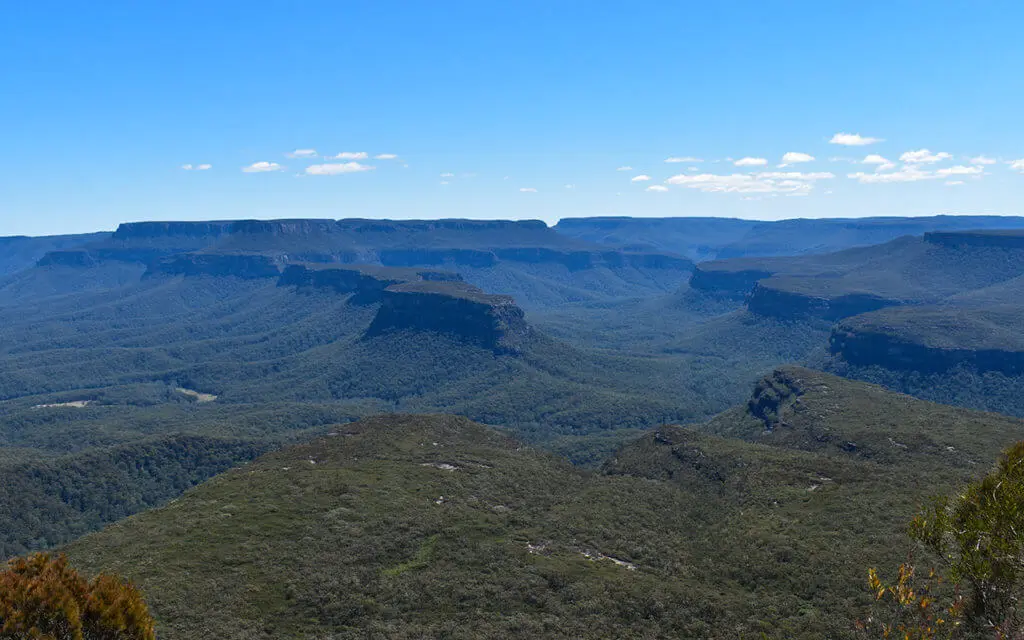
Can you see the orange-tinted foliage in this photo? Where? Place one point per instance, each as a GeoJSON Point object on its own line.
{"type": "Point", "coordinates": [43, 598]}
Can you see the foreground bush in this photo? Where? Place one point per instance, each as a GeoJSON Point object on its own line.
{"type": "Point", "coordinates": [43, 598]}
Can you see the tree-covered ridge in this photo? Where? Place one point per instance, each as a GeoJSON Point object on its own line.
{"type": "Point", "coordinates": [427, 525]}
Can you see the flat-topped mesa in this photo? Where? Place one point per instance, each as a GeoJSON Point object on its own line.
{"type": "Point", "coordinates": [294, 227]}
{"type": "Point", "coordinates": [1005, 239]}
{"type": "Point", "coordinates": [784, 298]}
{"type": "Point", "coordinates": [366, 282]}
{"type": "Point", "coordinates": [934, 339]}
{"type": "Point", "coordinates": [149, 230]}
{"type": "Point", "coordinates": [240, 265]}
{"type": "Point", "coordinates": [454, 308]}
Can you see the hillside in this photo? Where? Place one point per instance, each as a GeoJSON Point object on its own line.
{"type": "Point", "coordinates": [702, 239]}
{"type": "Point", "coordinates": [432, 525]}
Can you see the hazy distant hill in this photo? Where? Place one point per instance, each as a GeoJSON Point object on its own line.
{"type": "Point", "coordinates": [717, 238]}
{"type": "Point", "coordinates": [21, 252]}
{"type": "Point", "coordinates": [413, 526]}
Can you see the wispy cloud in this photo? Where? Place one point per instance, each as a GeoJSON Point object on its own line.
{"type": "Point", "coordinates": [982, 160]}
{"type": "Point", "coordinates": [198, 167]}
{"type": "Point", "coordinates": [386, 156]}
{"type": "Point", "coordinates": [528, 190]}
{"type": "Point", "coordinates": [447, 174]}
{"type": "Point", "coordinates": [570, 186]}
{"type": "Point", "coordinates": [1017, 165]}
{"type": "Point", "coordinates": [924, 156]}
{"type": "Point", "coordinates": [954, 183]}
{"type": "Point", "coordinates": [262, 167]}
{"type": "Point", "coordinates": [302, 153]}
{"type": "Point", "coordinates": [625, 168]}
{"type": "Point", "coordinates": [641, 178]}
{"type": "Point", "coordinates": [674, 159]}
{"type": "Point", "coordinates": [905, 174]}
{"type": "Point", "coordinates": [751, 162]}
{"type": "Point", "coordinates": [853, 140]}
{"type": "Point", "coordinates": [350, 155]}
{"type": "Point", "coordinates": [960, 170]}
{"type": "Point", "coordinates": [764, 182]}
{"type": "Point", "coordinates": [336, 169]}
{"type": "Point", "coordinates": [657, 187]}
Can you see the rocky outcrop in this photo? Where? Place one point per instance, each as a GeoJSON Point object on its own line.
{"type": "Point", "coordinates": [981, 238]}
{"type": "Point", "coordinates": [772, 396]}
{"type": "Point", "coordinates": [733, 282]}
{"type": "Point", "coordinates": [68, 258]}
{"type": "Point", "coordinates": [366, 282]}
{"type": "Point", "coordinates": [863, 345]}
{"type": "Point", "coordinates": [775, 302]}
{"type": "Point", "coordinates": [454, 308]}
{"type": "Point", "coordinates": [245, 266]}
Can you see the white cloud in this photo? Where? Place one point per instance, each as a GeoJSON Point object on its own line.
{"type": "Point", "coordinates": [1017, 165]}
{"type": "Point", "coordinates": [261, 167]}
{"type": "Point", "coordinates": [302, 153]}
{"type": "Point", "coordinates": [982, 160]}
{"type": "Point", "coordinates": [884, 164]}
{"type": "Point", "coordinates": [204, 167]}
{"type": "Point", "coordinates": [764, 182]}
{"type": "Point", "coordinates": [906, 174]}
{"type": "Point", "coordinates": [924, 156]}
{"type": "Point", "coordinates": [336, 169]}
{"type": "Point", "coordinates": [959, 170]}
{"type": "Point", "coordinates": [625, 168]}
{"type": "Point", "coordinates": [853, 139]}
{"type": "Point", "coordinates": [750, 162]}
{"type": "Point", "coordinates": [794, 157]}
{"type": "Point", "coordinates": [682, 159]}
{"type": "Point", "coordinates": [350, 155]}
{"type": "Point", "coordinates": [447, 174]}
{"type": "Point", "coordinates": [953, 183]}
{"type": "Point", "coordinates": [657, 187]}
{"type": "Point", "coordinates": [641, 178]}
{"type": "Point", "coordinates": [444, 182]}
{"type": "Point", "coordinates": [570, 186]}
{"type": "Point", "coordinates": [385, 156]}
{"type": "Point", "coordinates": [186, 167]}
{"type": "Point", "coordinates": [528, 190]}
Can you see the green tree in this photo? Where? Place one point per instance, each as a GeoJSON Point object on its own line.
{"type": "Point", "coordinates": [978, 535]}
{"type": "Point", "coordinates": [44, 598]}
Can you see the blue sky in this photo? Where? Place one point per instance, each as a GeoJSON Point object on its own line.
{"type": "Point", "coordinates": [531, 107]}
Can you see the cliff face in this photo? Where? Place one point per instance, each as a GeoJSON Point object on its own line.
{"type": "Point", "coordinates": [366, 282]}
{"type": "Point", "coordinates": [728, 282]}
{"type": "Point", "coordinates": [455, 308]}
{"type": "Point", "coordinates": [247, 266]}
{"type": "Point", "coordinates": [150, 230]}
{"type": "Point", "coordinates": [860, 345]}
{"type": "Point", "coordinates": [769, 301]}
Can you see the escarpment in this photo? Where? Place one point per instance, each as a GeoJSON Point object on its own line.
{"type": "Point", "coordinates": [246, 266]}
{"type": "Point", "coordinates": [774, 299]}
{"type": "Point", "coordinates": [366, 282]}
{"type": "Point", "coordinates": [455, 308]}
{"type": "Point", "coordinates": [711, 277]}
{"type": "Point", "coordinates": [1003, 239]}
{"type": "Point", "coordinates": [934, 339]}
